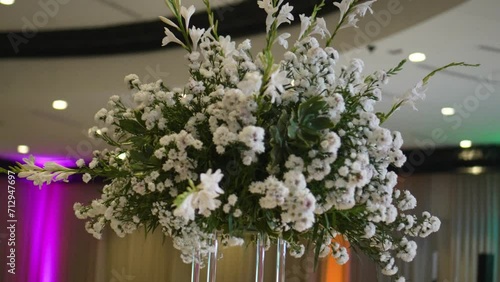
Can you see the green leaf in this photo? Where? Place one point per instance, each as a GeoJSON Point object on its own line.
{"type": "Point", "coordinates": [313, 106]}
{"type": "Point", "coordinates": [132, 126]}
{"type": "Point", "coordinates": [306, 141]}
{"type": "Point", "coordinates": [264, 107]}
{"type": "Point", "coordinates": [138, 117]}
{"type": "Point", "coordinates": [138, 141]}
{"type": "Point", "coordinates": [181, 198]}
{"type": "Point", "coordinates": [230, 223]}
{"type": "Point", "coordinates": [311, 135]}
{"type": "Point", "coordinates": [319, 242]}
{"type": "Point", "coordinates": [292, 130]}
{"type": "Point", "coordinates": [154, 161]}
{"type": "Point", "coordinates": [396, 69]}
{"type": "Point", "coordinates": [138, 156]}
{"type": "Point", "coordinates": [307, 118]}
{"type": "Point", "coordinates": [320, 123]}
{"type": "Point", "coordinates": [461, 64]}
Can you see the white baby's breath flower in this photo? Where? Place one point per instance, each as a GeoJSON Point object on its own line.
{"type": "Point", "coordinates": [231, 200]}
{"type": "Point", "coordinates": [251, 83]}
{"type": "Point", "coordinates": [237, 213]}
{"type": "Point", "coordinates": [93, 163]}
{"type": "Point", "coordinates": [100, 115]}
{"type": "Point", "coordinates": [297, 252]}
{"type": "Point", "coordinates": [132, 80]}
{"type": "Point", "coordinates": [86, 178]}
{"type": "Point", "coordinates": [253, 137]}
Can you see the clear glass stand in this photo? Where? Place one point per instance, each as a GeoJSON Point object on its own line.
{"type": "Point", "coordinates": [260, 255]}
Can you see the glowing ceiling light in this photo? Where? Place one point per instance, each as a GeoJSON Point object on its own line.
{"type": "Point", "coordinates": [476, 170]}
{"type": "Point", "coordinates": [59, 104]}
{"type": "Point", "coordinates": [23, 149]}
{"type": "Point", "coordinates": [447, 111]}
{"type": "Point", "coordinates": [416, 57]}
{"type": "Point", "coordinates": [465, 144]}
{"type": "Point", "coordinates": [7, 2]}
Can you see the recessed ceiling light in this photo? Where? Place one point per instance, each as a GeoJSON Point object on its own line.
{"type": "Point", "coordinates": [122, 156]}
{"type": "Point", "coordinates": [447, 111]}
{"type": "Point", "coordinates": [7, 2]}
{"type": "Point", "coordinates": [476, 170]}
{"type": "Point", "coordinates": [416, 57]}
{"type": "Point", "coordinates": [59, 104]}
{"type": "Point", "coordinates": [465, 144]}
{"type": "Point", "coordinates": [23, 149]}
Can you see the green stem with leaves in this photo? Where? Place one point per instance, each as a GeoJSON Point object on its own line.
{"type": "Point", "coordinates": [341, 23]}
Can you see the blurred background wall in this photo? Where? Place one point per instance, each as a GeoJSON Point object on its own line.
{"type": "Point", "coordinates": [53, 246]}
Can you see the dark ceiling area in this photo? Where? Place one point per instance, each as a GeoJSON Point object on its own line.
{"type": "Point", "coordinates": [245, 18]}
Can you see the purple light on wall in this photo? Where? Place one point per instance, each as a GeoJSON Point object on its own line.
{"type": "Point", "coordinates": [42, 213]}
{"type": "Point", "coordinates": [39, 159]}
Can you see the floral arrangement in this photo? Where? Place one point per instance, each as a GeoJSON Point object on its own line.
{"type": "Point", "coordinates": [289, 148]}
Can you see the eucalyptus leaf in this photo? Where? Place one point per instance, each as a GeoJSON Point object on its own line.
{"type": "Point", "coordinates": [320, 123]}
{"type": "Point", "coordinates": [132, 126]}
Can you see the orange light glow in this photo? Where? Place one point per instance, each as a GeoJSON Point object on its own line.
{"type": "Point", "coordinates": [334, 272]}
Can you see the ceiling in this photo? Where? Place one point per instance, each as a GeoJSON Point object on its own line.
{"type": "Point", "coordinates": [445, 32]}
{"type": "Point", "coordinates": [68, 14]}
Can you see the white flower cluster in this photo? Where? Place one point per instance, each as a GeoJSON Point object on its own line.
{"type": "Point", "coordinates": [293, 146]}
{"type": "Point", "coordinates": [50, 172]}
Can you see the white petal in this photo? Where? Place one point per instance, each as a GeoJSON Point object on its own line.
{"type": "Point", "coordinates": [168, 21]}
{"type": "Point", "coordinates": [282, 40]}
{"type": "Point", "coordinates": [305, 22]}
{"type": "Point", "coordinates": [196, 34]}
{"type": "Point", "coordinates": [170, 38]}
{"type": "Point", "coordinates": [187, 13]}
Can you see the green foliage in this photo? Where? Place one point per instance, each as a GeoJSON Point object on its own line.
{"type": "Point", "coordinates": [306, 124]}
